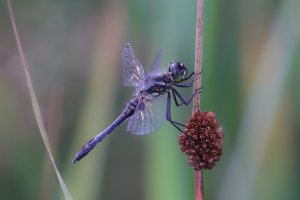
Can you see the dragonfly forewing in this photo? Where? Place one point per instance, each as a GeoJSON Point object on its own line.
{"type": "Point", "coordinates": [155, 67]}
{"type": "Point", "coordinates": [133, 72]}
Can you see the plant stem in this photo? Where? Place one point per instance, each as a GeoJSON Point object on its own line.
{"type": "Point", "coordinates": [34, 102]}
{"type": "Point", "coordinates": [198, 53]}
{"type": "Point", "coordinates": [197, 84]}
{"type": "Point", "coordinates": [198, 185]}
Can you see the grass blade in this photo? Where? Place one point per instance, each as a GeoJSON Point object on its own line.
{"type": "Point", "coordinates": [34, 102]}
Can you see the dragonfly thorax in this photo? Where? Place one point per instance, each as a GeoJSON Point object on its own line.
{"type": "Point", "coordinates": [157, 84]}
{"type": "Point", "coordinates": [178, 70]}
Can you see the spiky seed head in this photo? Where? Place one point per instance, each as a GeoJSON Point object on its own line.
{"type": "Point", "coordinates": [202, 140]}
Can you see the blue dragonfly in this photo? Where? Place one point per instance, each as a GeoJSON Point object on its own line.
{"type": "Point", "coordinates": [143, 111]}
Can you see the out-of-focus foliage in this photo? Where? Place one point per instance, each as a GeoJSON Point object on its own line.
{"type": "Point", "coordinates": [251, 80]}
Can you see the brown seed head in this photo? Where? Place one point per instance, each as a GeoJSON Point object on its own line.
{"type": "Point", "coordinates": [202, 141]}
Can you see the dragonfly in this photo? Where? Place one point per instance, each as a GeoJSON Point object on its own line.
{"type": "Point", "coordinates": [152, 89]}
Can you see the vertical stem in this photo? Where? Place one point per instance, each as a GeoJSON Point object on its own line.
{"type": "Point", "coordinates": [198, 185]}
{"type": "Point", "coordinates": [198, 53]}
{"type": "Point", "coordinates": [197, 84]}
{"type": "Point", "coordinates": [34, 102]}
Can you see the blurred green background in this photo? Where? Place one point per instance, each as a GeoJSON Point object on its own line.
{"type": "Point", "coordinates": [251, 80]}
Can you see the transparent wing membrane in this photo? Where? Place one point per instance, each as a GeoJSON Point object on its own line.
{"type": "Point", "coordinates": [133, 72]}
{"type": "Point", "coordinates": [150, 111]}
{"type": "Point", "coordinates": [148, 117]}
{"type": "Point", "coordinates": [156, 64]}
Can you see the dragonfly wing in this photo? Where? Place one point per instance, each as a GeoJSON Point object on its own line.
{"type": "Point", "coordinates": [133, 72]}
{"type": "Point", "coordinates": [155, 67]}
{"type": "Point", "coordinates": [148, 117]}
{"type": "Point", "coordinates": [156, 64]}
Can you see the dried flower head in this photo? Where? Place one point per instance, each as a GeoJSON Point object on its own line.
{"type": "Point", "coordinates": [202, 140]}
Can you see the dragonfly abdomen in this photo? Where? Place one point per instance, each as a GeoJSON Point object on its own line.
{"type": "Point", "coordinates": [127, 112]}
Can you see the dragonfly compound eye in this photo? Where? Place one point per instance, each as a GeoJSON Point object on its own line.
{"type": "Point", "coordinates": [178, 70]}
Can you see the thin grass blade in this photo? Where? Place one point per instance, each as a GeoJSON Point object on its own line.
{"type": "Point", "coordinates": [34, 102]}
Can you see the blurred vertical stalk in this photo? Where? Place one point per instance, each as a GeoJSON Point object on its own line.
{"type": "Point", "coordinates": [53, 121]}
{"type": "Point", "coordinates": [34, 102]}
{"type": "Point", "coordinates": [197, 84]}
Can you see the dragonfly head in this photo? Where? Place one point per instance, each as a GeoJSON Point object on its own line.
{"type": "Point", "coordinates": [178, 70]}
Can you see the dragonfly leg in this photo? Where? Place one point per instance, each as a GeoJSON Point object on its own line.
{"type": "Point", "coordinates": [199, 72]}
{"type": "Point", "coordinates": [187, 78]}
{"type": "Point", "coordinates": [184, 85]}
{"type": "Point", "coordinates": [189, 84]}
{"type": "Point", "coordinates": [175, 99]}
{"type": "Point", "coordinates": [168, 114]}
{"type": "Point", "coordinates": [193, 75]}
{"type": "Point", "coordinates": [183, 101]}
